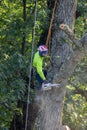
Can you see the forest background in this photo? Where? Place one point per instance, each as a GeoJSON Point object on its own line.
{"type": "Point", "coordinates": [16, 29]}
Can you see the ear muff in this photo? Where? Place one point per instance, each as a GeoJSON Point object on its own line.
{"type": "Point", "coordinates": [43, 53]}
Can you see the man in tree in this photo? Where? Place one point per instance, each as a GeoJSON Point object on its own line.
{"type": "Point", "coordinates": [38, 66]}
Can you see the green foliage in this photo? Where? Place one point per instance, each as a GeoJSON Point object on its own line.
{"type": "Point", "coordinates": [80, 27]}
{"type": "Point", "coordinates": [13, 26]}
{"type": "Point", "coordinates": [76, 100]}
{"type": "Point", "coordinates": [13, 70]}
{"type": "Point", "coordinates": [75, 110]}
{"type": "Point", "coordinates": [13, 66]}
{"type": "Point", "coordinates": [82, 7]}
{"type": "Point", "coordinates": [81, 21]}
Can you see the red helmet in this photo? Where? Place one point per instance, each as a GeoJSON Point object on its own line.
{"type": "Point", "coordinates": [42, 48]}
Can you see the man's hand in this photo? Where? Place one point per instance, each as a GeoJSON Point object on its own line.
{"type": "Point", "coordinates": [45, 82]}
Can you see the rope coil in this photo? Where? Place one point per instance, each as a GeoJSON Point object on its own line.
{"type": "Point", "coordinates": [50, 27]}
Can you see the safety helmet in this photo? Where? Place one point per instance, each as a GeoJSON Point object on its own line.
{"type": "Point", "coordinates": [43, 50]}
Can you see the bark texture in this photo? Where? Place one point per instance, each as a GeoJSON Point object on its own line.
{"type": "Point", "coordinates": [63, 62]}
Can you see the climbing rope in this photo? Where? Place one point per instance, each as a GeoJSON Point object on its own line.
{"type": "Point", "coordinates": [50, 27]}
{"type": "Point", "coordinates": [33, 37]}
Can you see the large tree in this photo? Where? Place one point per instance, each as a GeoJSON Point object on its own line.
{"type": "Point", "coordinates": [64, 58]}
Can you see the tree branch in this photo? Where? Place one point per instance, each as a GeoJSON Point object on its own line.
{"type": "Point", "coordinates": [72, 36]}
{"type": "Point", "coordinates": [75, 57]}
{"type": "Point", "coordinates": [78, 90]}
{"type": "Point", "coordinates": [4, 104]}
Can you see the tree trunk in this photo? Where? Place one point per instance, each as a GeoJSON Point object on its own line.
{"type": "Point", "coordinates": [63, 62]}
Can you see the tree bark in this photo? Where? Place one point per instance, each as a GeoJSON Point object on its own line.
{"type": "Point", "coordinates": [63, 62]}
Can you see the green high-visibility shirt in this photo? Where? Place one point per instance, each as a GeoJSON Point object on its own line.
{"type": "Point", "coordinates": [38, 63]}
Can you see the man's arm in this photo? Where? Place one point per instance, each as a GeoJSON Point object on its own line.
{"type": "Point", "coordinates": [40, 70]}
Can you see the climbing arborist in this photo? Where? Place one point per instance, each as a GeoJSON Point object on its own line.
{"type": "Point", "coordinates": [38, 66]}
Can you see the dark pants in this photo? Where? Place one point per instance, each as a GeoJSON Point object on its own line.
{"type": "Point", "coordinates": [40, 80]}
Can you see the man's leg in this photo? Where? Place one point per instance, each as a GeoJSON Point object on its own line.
{"type": "Point", "coordinates": [45, 73]}
{"type": "Point", "coordinates": [40, 81]}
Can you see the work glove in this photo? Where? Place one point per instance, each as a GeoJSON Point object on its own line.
{"type": "Point", "coordinates": [45, 81]}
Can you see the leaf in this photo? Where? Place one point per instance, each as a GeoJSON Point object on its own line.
{"type": "Point", "coordinates": [6, 3]}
